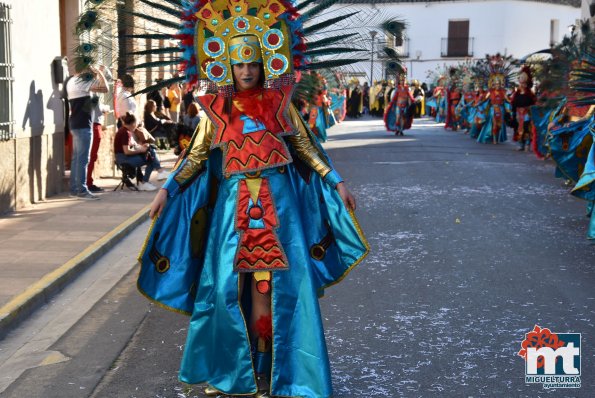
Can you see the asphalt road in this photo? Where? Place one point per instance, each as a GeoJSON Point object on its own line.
{"type": "Point", "coordinates": [471, 246]}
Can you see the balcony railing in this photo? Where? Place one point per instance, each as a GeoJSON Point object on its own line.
{"type": "Point", "coordinates": [403, 49]}
{"type": "Point", "coordinates": [457, 47]}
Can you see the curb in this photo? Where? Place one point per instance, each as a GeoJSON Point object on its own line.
{"type": "Point", "coordinates": [42, 291]}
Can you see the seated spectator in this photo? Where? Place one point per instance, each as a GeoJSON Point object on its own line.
{"type": "Point", "coordinates": [158, 127]}
{"type": "Point", "coordinates": [158, 97]}
{"type": "Point", "coordinates": [129, 151]}
{"type": "Point", "coordinates": [191, 117]}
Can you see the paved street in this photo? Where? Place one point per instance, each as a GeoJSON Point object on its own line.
{"type": "Point", "coordinates": [471, 246]}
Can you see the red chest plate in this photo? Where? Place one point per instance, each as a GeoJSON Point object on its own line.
{"type": "Point", "coordinates": [250, 143]}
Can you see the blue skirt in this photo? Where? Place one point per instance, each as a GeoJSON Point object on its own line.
{"type": "Point", "coordinates": [201, 280]}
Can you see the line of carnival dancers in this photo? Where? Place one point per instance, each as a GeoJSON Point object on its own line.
{"type": "Point", "coordinates": [554, 119]}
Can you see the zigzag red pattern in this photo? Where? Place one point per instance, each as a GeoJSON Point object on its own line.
{"type": "Point", "coordinates": [270, 160]}
{"type": "Point", "coordinates": [248, 140]}
{"type": "Point", "coordinates": [261, 265]}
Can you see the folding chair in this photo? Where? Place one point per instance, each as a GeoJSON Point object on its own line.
{"type": "Point", "coordinates": [128, 172]}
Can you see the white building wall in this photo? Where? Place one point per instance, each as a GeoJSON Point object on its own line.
{"type": "Point", "coordinates": [33, 161]}
{"type": "Point", "coordinates": [515, 28]}
{"type": "Point", "coordinates": [35, 43]}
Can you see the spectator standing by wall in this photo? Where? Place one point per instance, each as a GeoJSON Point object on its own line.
{"type": "Point", "coordinates": [125, 103]}
{"type": "Point", "coordinates": [174, 94]}
{"type": "Point", "coordinates": [79, 89]}
{"type": "Point", "coordinates": [99, 112]}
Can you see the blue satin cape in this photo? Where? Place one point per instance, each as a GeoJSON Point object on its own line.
{"type": "Point", "coordinates": [485, 135]}
{"type": "Point", "coordinates": [585, 187]}
{"type": "Point", "coordinates": [565, 144]}
{"type": "Point", "coordinates": [200, 279]}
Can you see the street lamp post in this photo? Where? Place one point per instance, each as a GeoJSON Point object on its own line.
{"type": "Point", "coordinates": [373, 33]}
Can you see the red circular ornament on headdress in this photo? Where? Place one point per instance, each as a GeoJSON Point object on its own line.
{"type": "Point", "coordinates": [277, 64]}
{"type": "Point", "coordinates": [273, 39]}
{"type": "Point", "coordinates": [217, 71]}
{"type": "Point", "coordinates": [241, 24]}
{"type": "Point", "coordinates": [274, 7]}
{"type": "Point", "coordinates": [214, 47]}
{"type": "Point", "coordinates": [206, 13]}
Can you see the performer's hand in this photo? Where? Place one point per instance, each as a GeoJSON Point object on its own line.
{"type": "Point", "coordinates": [346, 196]}
{"type": "Point", "coordinates": [158, 203]}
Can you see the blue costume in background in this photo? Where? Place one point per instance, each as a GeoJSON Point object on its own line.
{"type": "Point", "coordinates": [585, 187]}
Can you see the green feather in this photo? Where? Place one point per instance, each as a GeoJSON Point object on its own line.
{"type": "Point", "coordinates": [161, 84]}
{"type": "Point", "coordinates": [95, 2]}
{"type": "Point", "coordinates": [165, 50]}
{"type": "Point", "coordinates": [304, 4]}
{"type": "Point", "coordinates": [395, 27]}
{"type": "Point", "coordinates": [331, 50]}
{"type": "Point", "coordinates": [87, 21]}
{"type": "Point", "coordinates": [333, 63]}
{"type": "Point", "coordinates": [328, 40]}
{"type": "Point", "coordinates": [327, 23]}
{"type": "Point", "coordinates": [312, 12]}
{"type": "Point", "coordinates": [391, 53]}
{"type": "Point", "coordinates": [170, 11]}
{"type": "Point", "coordinates": [154, 36]}
{"type": "Point", "coordinates": [155, 64]}
{"type": "Point", "coordinates": [162, 22]}
{"type": "Point", "coordinates": [177, 3]}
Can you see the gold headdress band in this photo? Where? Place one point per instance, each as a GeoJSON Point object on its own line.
{"type": "Point", "coordinates": [220, 39]}
{"type": "Point", "coordinates": [244, 50]}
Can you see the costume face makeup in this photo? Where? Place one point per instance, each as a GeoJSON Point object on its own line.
{"type": "Point", "coordinates": [246, 76]}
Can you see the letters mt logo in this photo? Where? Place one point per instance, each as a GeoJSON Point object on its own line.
{"type": "Point", "coordinates": [553, 359]}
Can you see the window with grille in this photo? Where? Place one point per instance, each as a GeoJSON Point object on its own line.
{"type": "Point", "coordinates": [6, 79]}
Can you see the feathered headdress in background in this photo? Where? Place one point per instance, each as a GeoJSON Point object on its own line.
{"type": "Point", "coordinates": [495, 69]}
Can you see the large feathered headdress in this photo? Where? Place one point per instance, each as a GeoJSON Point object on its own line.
{"type": "Point", "coordinates": [209, 35]}
{"type": "Point", "coordinates": [495, 69]}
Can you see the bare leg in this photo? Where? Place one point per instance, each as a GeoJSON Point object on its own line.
{"type": "Point", "coordinates": [261, 325]}
{"type": "Point", "coordinates": [261, 304]}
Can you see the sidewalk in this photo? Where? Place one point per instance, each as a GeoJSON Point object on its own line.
{"type": "Point", "coordinates": [44, 247]}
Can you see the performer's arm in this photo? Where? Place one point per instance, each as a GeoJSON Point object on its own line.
{"type": "Point", "coordinates": [308, 152]}
{"type": "Point", "coordinates": [195, 160]}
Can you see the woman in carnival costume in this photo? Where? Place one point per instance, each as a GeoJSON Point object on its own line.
{"type": "Point", "coordinates": [254, 222]}
{"type": "Point", "coordinates": [440, 96]}
{"type": "Point", "coordinates": [569, 133]}
{"type": "Point", "coordinates": [453, 98]}
{"type": "Point", "coordinates": [521, 101]}
{"type": "Point", "coordinates": [397, 116]}
{"type": "Point", "coordinates": [581, 82]}
{"type": "Point", "coordinates": [321, 117]}
{"type": "Point", "coordinates": [338, 97]}
{"type": "Point", "coordinates": [541, 116]}
{"type": "Point", "coordinates": [465, 109]}
{"type": "Point", "coordinates": [497, 103]}
{"type": "Point", "coordinates": [585, 187]}
{"type": "Point", "coordinates": [477, 115]}
{"type": "Point", "coordinates": [419, 98]}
